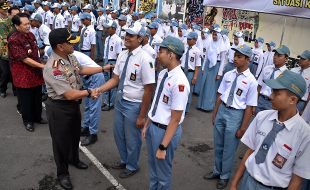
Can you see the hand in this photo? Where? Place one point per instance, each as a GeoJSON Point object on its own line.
{"type": "Point", "coordinates": [253, 111]}
{"type": "Point", "coordinates": [240, 133]}
{"type": "Point", "coordinates": [144, 132]}
{"type": "Point", "coordinates": [160, 154]}
{"type": "Point", "coordinates": [94, 93]}
{"type": "Point", "coordinates": [213, 117]}
{"type": "Point", "coordinates": [218, 77]}
{"type": "Point", "coordinates": [194, 81]}
{"type": "Point", "coordinates": [140, 122]}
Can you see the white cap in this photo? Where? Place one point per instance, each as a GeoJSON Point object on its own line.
{"type": "Point", "coordinates": [88, 6]}
{"type": "Point", "coordinates": [135, 30]}
{"type": "Point", "coordinates": [56, 5]}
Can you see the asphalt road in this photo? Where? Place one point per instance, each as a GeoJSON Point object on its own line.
{"type": "Point", "coordinates": [26, 159]}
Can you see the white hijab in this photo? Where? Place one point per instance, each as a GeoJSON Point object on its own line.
{"type": "Point", "coordinates": [215, 48]}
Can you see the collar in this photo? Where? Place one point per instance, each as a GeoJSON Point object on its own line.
{"type": "Point", "coordinates": [283, 68]}
{"type": "Point", "coordinates": [174, 71]}
{"type": "Point", "coordinates": [245, 73]}
{"type": "Point", "coordinates": [288, 123]}
{"type": "Point", "coordinates": [305, 70]}
{"type": "Point", "coordinates": [135, 51]}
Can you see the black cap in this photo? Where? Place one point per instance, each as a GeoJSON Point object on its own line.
{"type": "Point", "coordinates": [62, 35]}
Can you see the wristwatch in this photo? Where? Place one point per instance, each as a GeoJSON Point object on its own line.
{"type": "Point", "coordinates": [162, 147]}
{"type": "Point", "coordinates": [89, 93]}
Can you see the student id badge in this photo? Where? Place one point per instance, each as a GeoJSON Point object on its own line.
{"type": "Point", "coordinates": [192, 59]}
{"type": "Point", "coordinates": [255, 58]}
{"type": "Point", "coordinates": [239, 92]}
{"type": "Point", "coordinates": [165, 99]}
{"type": "Point", "coordinates": [111, 48]}
{"type": "Point", "coordinates": [279, 161]}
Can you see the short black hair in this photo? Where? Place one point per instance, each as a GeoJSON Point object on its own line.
{"type": "Point", "coordinates": [16, 18]}
{"type": "Point", "coordinates": [178, 57]}
{"type": "Point", "coordinates": [13, 8]}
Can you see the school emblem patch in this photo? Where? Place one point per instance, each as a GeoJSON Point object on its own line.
{"type": "Point", "coordinates": [165, 99]}
{"type": "Point", "coordinates": [192, 59]}
{"type": "Point", "coordinates": [133, 76]}
{"type": "Point", "coordinates": [181, 87]}
{"type": "Point", "coordinates": [279, 161]}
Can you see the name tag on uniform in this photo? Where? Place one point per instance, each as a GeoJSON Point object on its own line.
{"type": "Point", "coordinates": [85, 35]}
{"type": "Point", "coordinates": [279, 161]}
{"type": "Point", "coordinates": [111, 48]}
{"type": "Point", "coordinates": [133, 77]}
{"type": "Point", "coordinates": [239, 92]}
{"type": "Point", "coordinates": [204, 49]}
{"type": "Point", "coordinates": [165, 99]}
{"type": "Point", "coordinates": [192, 59]}
{"type": "Point", "coordinates": [255, 58]}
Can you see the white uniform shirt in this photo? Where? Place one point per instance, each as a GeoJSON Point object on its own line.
{"type": "Point", "coordinates": [306, 75]}
{"type": "Point", "coordinates": [67, 17]}
{"type": "Point", "coordinates": [265, 75]}
{"type": "Point", "coordinates": [115, 46]}
{"type": "Point", "coordinates": [148, 49]}
{"type": "Point", "coordinates": [122, 33]}
{"type": "Point", "coordinates": [289, 153]}
{"type": "Point", "coordinates": [84, 60]}
{"type": "Point", "coordinates": [194, 58]}
{"type": "Point", "coordinates": [268, 58]}
{"type": "Point", "coordinates": [173, 97]}
{"type": "Point", "coordinates": [43, 33]}
{"type": "Point", "coordinates": [59, 21]}
{"type": "Point", "coordinates": [48, 18]}
{"type": "Point", "coordinates": [245, 93]}
{"type": "Point", "coordinates": [156, 40]}
{"type": "Point", "coordinates": [258, 58]}
{"type": "Point", "coordinates": [140, 71]}
{"type": "Point", "coordinates": [40, 11]}
{"type": "Point", "coordinates": [100, 21]}
{"type": "Point", "coordinates": [76, 23]}
{"type": "Point", "coordinates": [89, 37]}
{"type": "Point", "coordinates": [93, 19]}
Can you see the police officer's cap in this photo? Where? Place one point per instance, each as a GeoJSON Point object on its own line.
{"type": "Point", "coordinates": [244, 50]}
{"type": "Point", "coordinates": [173, 44]}
{"type": "Point", "coordinates": [62, 35]}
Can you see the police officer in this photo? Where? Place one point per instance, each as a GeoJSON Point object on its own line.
{"type": "Point", "coordinates": [88, 36]}
{"type": "Point", "coordinates": [58, 20]}
{"type": "Point", "coordinates": [237, 95]}
{"type": "Point", "coordinates": [271, 72]}
{"type": "Point", "coordinates": [278, 141]}
{"type": "Point", "coordinates": [61, 75]}
{"type": "Point", "coordinates": [191, 63]}
{"type": "Point", "coordinates": [304, 70]}
{"type": "Point", "coordinates": [135, 76]}
{"type": "Point", "coordinates": [163, 129]}
{"type": "Point", "coordinates": [112, 48]}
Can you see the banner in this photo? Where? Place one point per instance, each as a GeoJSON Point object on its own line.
{"type": "Point", "coordinates": [296, 8]}
{"type": "Point", "coordinates": [172, 9]}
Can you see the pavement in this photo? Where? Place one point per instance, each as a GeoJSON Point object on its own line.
{"type": "Point", "coordinates": [27, 163]}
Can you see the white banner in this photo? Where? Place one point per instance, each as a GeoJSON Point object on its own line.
{"type": "Point", "coordinates": [296, 8]}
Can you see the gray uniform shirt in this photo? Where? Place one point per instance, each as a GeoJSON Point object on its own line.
{"type": "Point", "coordinates": [61, 75]}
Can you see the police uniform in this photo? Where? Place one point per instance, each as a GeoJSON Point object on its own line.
{"type": "Point", "coordinates": [110, 56]}
{"type": "Point", "coordinates": [140, 71]}
{"type": "Point", "coordinates": [58, 22]}
{"type": "Point", "coordinates": [88, 39]}
{"type": "Point", "coordinates": [193, 61]}
{"type": "Point", "coordinates": [174, 95]}
{"type": "Point", "coordinates": [264, 102]}
{"type": "Point", "coordinates": [287, 155]}
{"type": "Point", "coordinates": [229, 118]}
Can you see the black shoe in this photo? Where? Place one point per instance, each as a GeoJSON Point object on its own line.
{"type": "Point", "coordinates": [84, 131]}
{"type": "Point", "coordinates": [65, 182]}
{"type": "Point", "coordinates": [106, 107]}
{"type": "Point", "coordinates": [29, 126]}
{"type": "Point", "coordinates": [211, 175]}
{"type": "Point", "coordinates": [3, 94]}
{"type": "Point", "coordinates": [42, 121]}
{"type": "Point", "coordinates": [80, 165]}
{"type": "Point", "coordinates": [118, 166]}
{"type": "Point", "coordinates": [127, 173]}
{"type": "Point", "coordinates": [91, 139]}
{"type": "Point", "coordinates": [222, 183]}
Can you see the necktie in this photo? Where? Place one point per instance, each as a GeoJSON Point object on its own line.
{"type": "Point", "coordinates": [186, 61]}
{"type": "Point", "coordinates": [301, 70]}
{"type": "Point", "coordinates": [232, 91]}
{"type": "Point", "coordinates": [82, 38]}
{"type": "Point", "coordinates": [160, 89]}
{"type": "Point", "coordinates": [122, 79]}
{"type": "Point", "coordinates": [45, 21]}
{"type": "Point", "coordinates": [273, 72]}
{"type": "Point", "coordinates": [269, 139]}
{"type": "Point", "coordinates": [151, 39]}
{"type": "Point", "coordinates": [54, 22]}
{"type": "Point", "coordinates": [107, 51]}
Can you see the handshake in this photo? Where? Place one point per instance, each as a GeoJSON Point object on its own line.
{"type": "Point", "coordinates": [94, 93]}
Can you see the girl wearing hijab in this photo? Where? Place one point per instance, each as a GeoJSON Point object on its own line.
{"type": "Point", "coordinates": [238, 41]}
{"type": "Point", "coordinates": [258, 57]}
{"type": "Point", "coordinates": [210, 77]}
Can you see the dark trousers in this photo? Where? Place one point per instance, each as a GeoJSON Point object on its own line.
{"type": "Point", "coordinates": [5, 75]}
{"type": "Point", "coordinates": [30, 103]}
{"type": "Point", "coordinates": [64, 118]}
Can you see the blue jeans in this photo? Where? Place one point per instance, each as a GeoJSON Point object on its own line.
{"type": "Point", "coordinates": [263, 104]}
{"type": "Point", "coordinates": [305, 184]}
{"type": "Point", "coordinates": [99, 45]}
{"type": "Point", "coordinates": [92, 111]}
{"type": "Point", "coordinates": [190, 76]}
{"type": "Point", "coordinates": [126, 135]}
{"type": "Point", "coordinates": [226, 124]}
{"type": "Point", "coordinates": [160, 171]}
{"type": "Point", "coordinates": [111, 93]}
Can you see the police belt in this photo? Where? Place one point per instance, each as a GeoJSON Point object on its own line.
{"type": "Point", "coordinates": [229, 107]}
{"type": "Point", "coordinates": [164, 127]}
{"type": "Point", "coordinates": [65, 102]}
{"type": "Point", "coordinates": [265, 97]}
{"type": "Point", "coordinates": [84, 50]}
